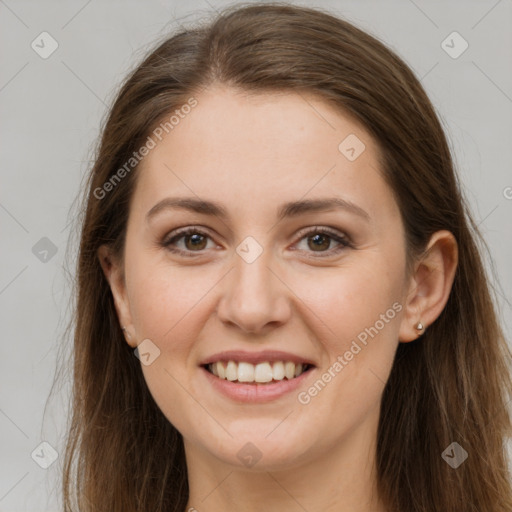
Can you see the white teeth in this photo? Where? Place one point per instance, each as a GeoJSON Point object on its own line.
{"type": "Point", "coordinates": [289, 370]}
{"type": "Point", "coordinates": [261, 373]}
{"type": "Point", "coordinates": [278, 370]}
{"type": "Point", "coordinates": [245, 372]}
{"type": "Point", "coordinates": [221, 370]}
{"type": "Point", "coordinates": [231, 371]}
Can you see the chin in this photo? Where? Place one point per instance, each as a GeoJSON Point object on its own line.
{"type": "Point", "coordinates": [260, 451]}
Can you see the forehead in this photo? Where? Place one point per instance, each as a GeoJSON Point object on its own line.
{"type": "Point", "coordinates": [254, 149]}
{"type": "Point", "coordinates": [233, 123]}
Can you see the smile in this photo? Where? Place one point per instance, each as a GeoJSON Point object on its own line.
{"type": "Point", "coordinates": [265, 372]}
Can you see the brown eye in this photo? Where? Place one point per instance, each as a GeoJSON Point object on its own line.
{"type": "Point", "coordinates": [187, 241]}
{"type": "Point", "coordinates": [196, 241]}
{"type": "Point", "coordinates": [319, 241]}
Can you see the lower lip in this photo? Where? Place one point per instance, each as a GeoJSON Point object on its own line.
{"type": "Point", "coordinates": [255, 392]}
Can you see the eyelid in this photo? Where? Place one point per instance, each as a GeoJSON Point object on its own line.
{"type": "Point", "coordinates": [341, 238]}
{"type": "Point", "coordinates": [181, 233]}
{"type": "Point", "coordinates": [333, 232]}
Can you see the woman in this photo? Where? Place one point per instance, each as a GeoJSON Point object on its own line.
{"type": "Point", "coordinates": [280, 299]}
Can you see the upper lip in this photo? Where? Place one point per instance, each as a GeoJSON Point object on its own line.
{"type": "Point", "coordinates": [256, 357]}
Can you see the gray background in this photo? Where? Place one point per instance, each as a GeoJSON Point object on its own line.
{"type": "Point", "coordinates": [50, 112]}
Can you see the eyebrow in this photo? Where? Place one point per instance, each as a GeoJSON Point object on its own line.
{"type": "Point", "coordinates": [290, 209]}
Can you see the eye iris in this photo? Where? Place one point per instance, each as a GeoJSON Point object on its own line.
{"type": "Point", "coordinates": [321, 237]}
{"type": "Point", "coordinates": [317, 242]}
{"type": "Point", "coordinates": [196, 241]}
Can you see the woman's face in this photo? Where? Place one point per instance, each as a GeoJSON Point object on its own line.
{"type": "Point", "coordinates": [322, 286]}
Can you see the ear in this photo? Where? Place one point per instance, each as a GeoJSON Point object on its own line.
{"type": "Point", "coordinates": [430, 285]}
{"type": "Point", "coordinates": [114, 272]}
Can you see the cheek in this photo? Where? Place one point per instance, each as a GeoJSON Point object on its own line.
{"type": "Point", "coordinates": [348, 300]}
{"type": "Point", "coordinates": [165, 304]}
{"type": "Point", "coordinates": [357, 312]}
{"type": "Point", "coordinates": [169, 307]}
{"type": "Point", "coordinates": [171, 304]}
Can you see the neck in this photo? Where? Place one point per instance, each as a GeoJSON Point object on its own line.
{"type": "Point", "coordinates": [339, 479]}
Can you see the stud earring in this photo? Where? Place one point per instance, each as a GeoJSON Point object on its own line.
{"type": "Point", "coordinates": [420, 327]}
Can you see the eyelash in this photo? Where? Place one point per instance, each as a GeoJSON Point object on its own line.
{"type": "Point", "coordinates": [343, 241]}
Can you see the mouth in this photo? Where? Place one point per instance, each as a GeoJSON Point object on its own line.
{"type": "Point", "coordinates": [257, 377]}
{"type": "Point", "coordinates": [263, 373]}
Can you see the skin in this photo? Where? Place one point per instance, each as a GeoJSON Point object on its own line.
{"type": "Point", "coordinates": [251, 153]}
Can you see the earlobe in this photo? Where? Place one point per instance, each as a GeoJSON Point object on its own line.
{"type": "Point", "coordinates": [430, 286]}
{"type": "Point", "coordinates": [114, 274]}
{"type": "Point", "coordinates": [129, 337]}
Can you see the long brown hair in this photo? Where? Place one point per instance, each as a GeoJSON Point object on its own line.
{"type": "Point", "coordinates": [452, 385]}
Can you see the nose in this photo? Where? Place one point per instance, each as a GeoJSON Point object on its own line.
{"type": "Point", "coordinates": [254, 296]}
